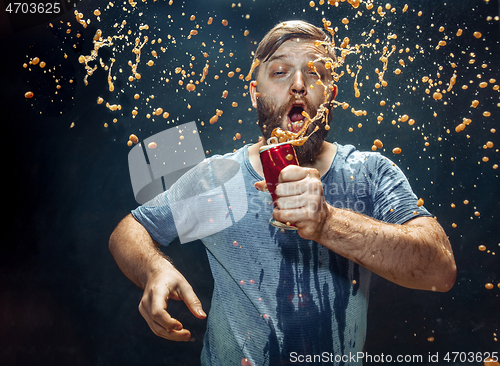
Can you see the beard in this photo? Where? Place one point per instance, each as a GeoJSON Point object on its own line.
{"type": "Point", "coordinates": [271, 116]}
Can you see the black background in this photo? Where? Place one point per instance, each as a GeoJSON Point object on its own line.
{"type": "Point", "coordinates": [62, 298]}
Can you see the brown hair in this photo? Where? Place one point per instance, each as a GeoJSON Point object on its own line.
{"type": "Point", "coordinates": [283, 31]}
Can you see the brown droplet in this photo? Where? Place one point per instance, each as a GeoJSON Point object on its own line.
{"type": "Point", "coordinates": [134, 138]}
{"type": "Point", "coordinates": [437, 96]}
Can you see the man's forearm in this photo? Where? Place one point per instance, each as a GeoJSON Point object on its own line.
{"type": "Point", "coordinates": [416, 254]}
{"type": "Point", "coordinates": [135, 252]}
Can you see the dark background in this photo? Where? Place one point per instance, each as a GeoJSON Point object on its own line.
{"type": "Point", "coordinates": [62, 298]}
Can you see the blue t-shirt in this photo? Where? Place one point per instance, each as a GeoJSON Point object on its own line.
{"type": "Point", "coordinates": [278, 298]}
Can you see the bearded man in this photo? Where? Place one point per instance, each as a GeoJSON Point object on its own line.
{"type": "Point", "coordinates": [286, 297]}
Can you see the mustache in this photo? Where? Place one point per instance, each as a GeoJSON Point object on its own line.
{"type": "Point", "coordinates": [274, 114]}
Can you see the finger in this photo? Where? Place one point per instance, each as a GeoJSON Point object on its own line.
{"type": "Point", "coordinates": [284, 216]}
{"type": "Point", "coordinates": [261, 186]}
{"type": "Point", "coordinates": [299, 208]}
{"type": "Point", "coordinates": [159, 314]}
{"type": "Point", "coordinates": [313, 173]}
{"type": "Point", "coordinates": [159, 328]}
{"type": "Point", "coordinates": [291, 202]}
{"type": "Point", "coordinates": [292, 173]}
{"type": "Point", "coordinates": [182, 335]}
{"type": "Point", "coordinates": [187, 295]}
{"type": "Point", "coordinates": [290, 189]}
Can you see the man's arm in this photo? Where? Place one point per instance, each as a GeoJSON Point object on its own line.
{"type": "Point", "coordinates": [138, 257]}
{"type": "Point", "coordinates": [416, 254]}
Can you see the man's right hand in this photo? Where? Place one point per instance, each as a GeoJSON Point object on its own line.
{"type": "Point", "coordinates": [162, 286]}
{"type": "Point", "coordinates": [137, 255]}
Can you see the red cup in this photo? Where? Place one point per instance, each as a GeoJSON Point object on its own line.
{"type": "Point", "coordinates": [274, 158]}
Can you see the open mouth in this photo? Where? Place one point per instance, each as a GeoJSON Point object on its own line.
{"type": "Point", "coordinates": [295, 119]}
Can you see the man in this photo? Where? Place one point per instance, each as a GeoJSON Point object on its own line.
{"type": "Point", "coordinates": [280, 297]}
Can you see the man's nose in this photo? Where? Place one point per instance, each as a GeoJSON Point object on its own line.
{"type": "Point", "coordinates": [298, 86]}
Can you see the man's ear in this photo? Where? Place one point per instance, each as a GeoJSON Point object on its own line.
{"type": "Point", "coordinates": [335, 91]}
{"type": "Point", "coordinates": [253, 93]}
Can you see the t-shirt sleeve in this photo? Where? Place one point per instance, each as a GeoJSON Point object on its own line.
{"type": "Point", "coordinates": [183, 210]}
{"type": "Point", "coordinates": [393, 198]}
{"type": "Point", "coordinates": [156, 217]}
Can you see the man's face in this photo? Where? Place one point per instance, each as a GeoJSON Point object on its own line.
{"type": "Point", "coordinates": [286, 86]}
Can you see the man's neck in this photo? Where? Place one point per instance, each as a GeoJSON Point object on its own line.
{"type": "Point", "coordinates": [322, 162]}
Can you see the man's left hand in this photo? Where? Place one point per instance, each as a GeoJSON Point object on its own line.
{"type": "Point", "coordinates": [300, 200]}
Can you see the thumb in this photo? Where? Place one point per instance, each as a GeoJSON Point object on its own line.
{"type": "Point", "coordinates": [261, 186]}
{"type": "Point", "coordinates": [192, 302]}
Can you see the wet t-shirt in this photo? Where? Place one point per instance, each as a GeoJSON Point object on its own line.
{"type": "Point", "coordinates": [279, 299]}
